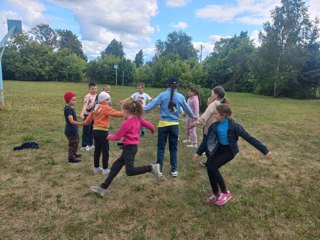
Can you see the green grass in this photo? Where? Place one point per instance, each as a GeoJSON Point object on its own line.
{"type": "Point", "coordinates": [42, 197]}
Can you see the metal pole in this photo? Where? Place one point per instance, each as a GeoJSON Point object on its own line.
{"type": "Point", "coordinates": [122, 77]}
{"type": "Point", "coordinates": [116, 77]}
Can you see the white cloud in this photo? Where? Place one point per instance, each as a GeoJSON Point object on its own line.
{"type": "Point", "coordinates": [215, 38]}
{"type": "Point", "coordinates": [203, 47]}
{"type": "Point", "coordinates": [255, 38]}
{"type": "Point", "coordinates": [177, 3]}
{"type": "Point", "coordinates": [315, 9]}
{"type": "Point", "coordinates": [244, 11]}
{"type": "Point", "coordinates": [179, 25]}
{"type": "Point", "coordinates": [103, 21]}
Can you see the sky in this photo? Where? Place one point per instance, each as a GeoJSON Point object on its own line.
{"type": "Point", "coordinates": [138, 24]}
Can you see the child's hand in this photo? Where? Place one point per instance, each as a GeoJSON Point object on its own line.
{"type": "Point", "coordinates": [195, 157]}
{"type": "Point", "coordinates": [191, 126]}
{"type": "Point", "coordinates": [269, 155]}
{"type": "Point", "coordinates": [80, 116]}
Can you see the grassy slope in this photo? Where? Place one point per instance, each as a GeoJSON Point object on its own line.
{"type": "Point", "coordinates": [42, 197]}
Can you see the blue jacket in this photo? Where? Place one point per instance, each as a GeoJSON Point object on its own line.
{"type": "Point", "coordinates": [163, 100]}
{"type": "Point", "coordinates": [210, 144]}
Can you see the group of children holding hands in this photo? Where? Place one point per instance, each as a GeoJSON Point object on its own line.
{"type": "Point", "coordinates": [219, 143]}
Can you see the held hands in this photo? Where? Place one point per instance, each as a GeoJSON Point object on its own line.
{"type": "Point", "coordinates": [269, 155]}
{"type": "Point", "coordinates": [195, 157]}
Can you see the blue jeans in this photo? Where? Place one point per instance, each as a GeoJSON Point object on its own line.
{"type": "Point", "coordinates": [163, 133]}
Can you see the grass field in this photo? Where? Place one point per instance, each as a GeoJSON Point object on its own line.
{"type": "Point", "coordinates": [43, 197]}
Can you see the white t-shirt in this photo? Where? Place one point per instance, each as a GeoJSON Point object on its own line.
{"type": "Point", "coordinates": [144, 97]}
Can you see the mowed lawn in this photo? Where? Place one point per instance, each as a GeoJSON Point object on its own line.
{"type": "Point", "coordinates": [43, 197]}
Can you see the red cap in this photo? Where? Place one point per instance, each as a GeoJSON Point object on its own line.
{"type": "Point", "coordinates": [68, 96]}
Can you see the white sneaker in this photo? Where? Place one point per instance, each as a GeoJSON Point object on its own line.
{"type": "Point", "coordinates": [97, 170]}
{"type": "Point", "coordinates": [161, 174]}
{"type": "Point", "coordinates": [92, 147]}
{"type": "Point", "coordinates": [194, 145]}
{"type": "Point", "coordinates": [156, 171]}
{"type": "Point", "coordinates": [83, 149]}
{"type": "Point", "coordinates": [106, 171]}
{"type": "Point", "coordinates": [174, 174]}
{"type": "Point", "coordinates": [186, 140]}
{"type": "Point", "coordinates": [99, 190]}
{"type": "Point", "coordinates": [87, 148]}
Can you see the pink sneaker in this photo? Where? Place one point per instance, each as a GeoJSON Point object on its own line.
{"type": "Point", "coordinates": [212, 198]}
{"type": "Point", "coordinates": [223, 198]}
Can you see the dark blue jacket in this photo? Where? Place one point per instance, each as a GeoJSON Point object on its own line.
{"type": "Point", "coordinates": [210, 142]}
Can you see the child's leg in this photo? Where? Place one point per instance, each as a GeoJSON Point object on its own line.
{"type": "Point", "coordinates": [188, 131]}
{"type": "Point", "coordinates": [115, 169]}
{"type": "Point", "coordinates": [221, 157]}
{"type": "Point", "coordinates": [73, 146]}
{"type": "Point", "coordinates": [162, 141]}
{"type": "Point", "coordinates": [193, 134]}
{"type": "Point", "coordinates": [173, 146]}
{"type": "Point", "coordinates": [86, 134]}
{"type": "Point", "coordinates": [97, 150]}
{"type": "Point", "coordinates": [102, 143]}
{"type": "Point", "coordinates": [129, 153]}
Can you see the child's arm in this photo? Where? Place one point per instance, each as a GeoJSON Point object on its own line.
{"type": "Point", "coordinates": [124, 100]}
{"type": "Point", "coordinates": [205, 116]}
{"type": "Point", "coordinates": [84, 107]}
{"type": "Point", "coordinates": [120, 133]}
{"type": "Point", "coordinates": [153, 104]}
{"type": "Point", "coordinates": [201, 149]}
{"type": "Point", "coordinates": [147, 124]}
{"type": "Point", "coordinates": [73, 122]}
{"type": "Point", "coordinates": [187, 108]}
{"type": "Point", "coordinates": [253, 141]}
{"type": "Point", "coordinates": [112, 112]}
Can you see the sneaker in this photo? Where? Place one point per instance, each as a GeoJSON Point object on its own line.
{"type": "Point", "coordinates": [97, 170]}
{"type": "Point", "coordinates": [92, 147]}
{"type": "Point", "coordinates": [223, 198]}
{"type": "Point", "coordinates": [161, 174]}
{"type": "Point", "coordinates": [156, 171]}
{"type": "Point", "coordinates": [77, 155]}
{"type": "Point", "coordinates": [83, 149]}
{"type": "Point", "coordinates": [174, 174]}
{"type": "Point", "coordinates": [106, 171]}
{"type": "Point", "coordinates": [212, 198]}
{"type": "Point", "coordinates": [74, 160]}
{"type": "Point", "coordinates": [186, 140]}
{"type": "Point", "coordinates": [99, 190]}
{"type": "Point", "coordinates": [87, 148]}
{"type": "Point", "coordinates": [193, 145]}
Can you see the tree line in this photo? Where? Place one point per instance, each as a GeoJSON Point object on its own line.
{"type": "Point", "coordinates": [285, 64]}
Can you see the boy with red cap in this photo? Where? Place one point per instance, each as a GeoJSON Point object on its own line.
{"type": "Point", "coordinates": [71, 129]}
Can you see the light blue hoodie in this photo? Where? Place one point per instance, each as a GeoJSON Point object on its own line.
{"type": "Point", "coordinates": [163, 100]}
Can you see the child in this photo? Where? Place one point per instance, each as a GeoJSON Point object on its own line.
{"type": "Point", "coordinates": [89, 100]}
{"type": "Point", "coordinates": [100, 116]}
{"type": "Point", "coordinates": [207, 118]}
{"type": "Point", "coordinates": [106, 88]}
{"type": "Point", "coordinates": [220, 145]}
{"type": "Point", "coordinates": [71, 128]}
{"type": "Point", "coordinates": [193, 102]}
{"type": "Point", "coordinates": [170, 102]}
{"type": "Point", "coordinates": [140, 96]}
{"type": "Point", "coordinates": [129, 132]}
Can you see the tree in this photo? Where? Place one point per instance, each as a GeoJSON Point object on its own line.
{"type": "Point", "coordinates": [282, 55]}
{"type": "Point", "coordinates": [139, 59]}
{"type": "Point", "coordinates": [177, 42]}
{"type": "Point", "coordinates": [68, 39]}
{"type": "Point", "coordinates": [45, 35]}
{"type": "Point", "coordinates": [115, 48]}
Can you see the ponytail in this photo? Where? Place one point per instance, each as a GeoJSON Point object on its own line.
{"type": "Point", "coordinates": [172, 106]}
{"type": "Point", "coordinates": [134, 108]}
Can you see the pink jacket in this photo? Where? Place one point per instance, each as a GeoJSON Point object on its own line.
{"type": "Point", "coordinates": [193, 102]}
{"type": "Point", "coordinates": [129, 131]}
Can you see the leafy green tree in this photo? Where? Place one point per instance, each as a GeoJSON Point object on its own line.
{"type": "Point", "coordinates": [283, 52]}
{"type": "Point", "coordinates": [115, 48]}
{"type": "Point", "coordinates": [177, 42]}
{"type": "Point", "coordinates": [45, 35]}
{"type": "Point", "coordinates": [139, 59]}
{"type": "Point", "coordinates": [68, 39]}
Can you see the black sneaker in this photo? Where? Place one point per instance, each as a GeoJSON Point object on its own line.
{"type": "Point", "coordinates": [142, 134]}
{"type": "Point", "coordinates": [78, 155]}
{"type": "Point", "coordinates": [74, 160]}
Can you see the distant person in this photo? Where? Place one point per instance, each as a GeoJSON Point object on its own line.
{"type": "Point", "coordinates": [71, 128]}
{"type": "Point", "coordinates": [194, 103]}
{"type": "Point", "coordinates": [107, 88]}
{"type": "Point", "coordinates": [220, 146]}
{"type": "Point", "coordinates": [89, 100]}
{"type": "Point", "coordinates": [140, 96]}
{"type": "Point", "coordinates": [100, 116]}
{"type": "Point", "coordinates": [129, 133]}
{"type": "Point", "coordinates": [170, 102]}
{"type": "Point", "coordinates": [207, 118]}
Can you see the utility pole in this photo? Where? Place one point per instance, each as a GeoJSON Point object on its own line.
{"type": "Point", "coordinates": [14, 27]}
{"type": "Point", "coordinates": [200, 53]}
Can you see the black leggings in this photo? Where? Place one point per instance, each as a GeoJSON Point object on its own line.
{"type": "Point", "coordinates": [101, 144]}
{"type": "Point", "coordinates": [126, 158]}
{"type": "Point", "coordinates": [218, 159]}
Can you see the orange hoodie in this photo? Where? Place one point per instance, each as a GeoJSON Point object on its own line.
{"type": "Point", "coordinates": [100, 116]}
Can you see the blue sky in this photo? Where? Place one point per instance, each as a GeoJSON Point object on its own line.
{"type": "Point", "coordinates": [138, 24]}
